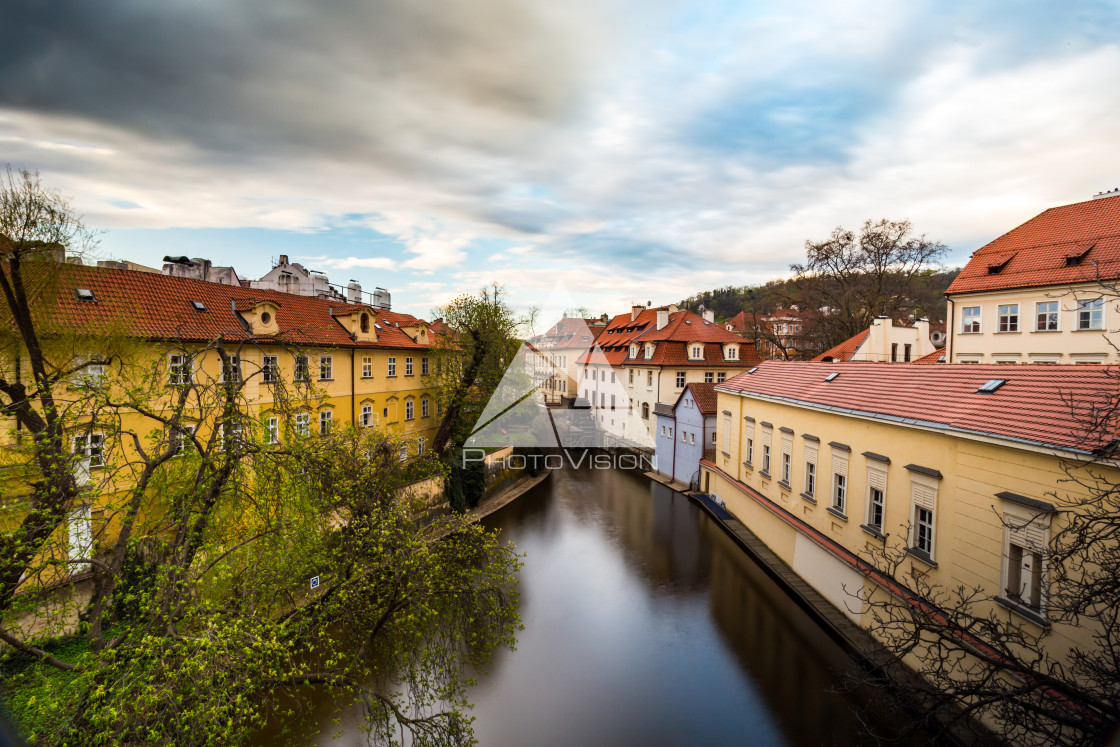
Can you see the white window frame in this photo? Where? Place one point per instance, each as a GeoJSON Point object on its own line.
{"type": "Point", "coordinates": [302, 368]}
{"type": "Point", "coordinates": [970, 320]}
{"type": "Point", "coordinates": [79, 526]}
{"type": "Point", "coordinates": [180, 369]}
{"type": "Point", "coordinates": [680, 379]}
{"type": "Point", "coordinates": [366, 417]}
{"type": "Point", "coordinates": [425, 409]}
{"type": "Point", "coordinates": [420, 446]}
{"type": "Point", "coordinates": [326, 368]}
{"type": "Point", "coordinates": [1007, 317]}
{"type": "Point", "coordinates": [409, 409]}
{"type": "Point", "coordinates": [177, 438]}
{"type": "Point", "coordinates": [876, 481]}
{"type": "Point", "coordinates": [1043, 318]}
{"type": "Point", "coordinates": [326, 422]}
{"type": "Point", "coordinates": [230, 369]}
{"type": "Point", "coordinates": [839, 493]}
{"type": "Point", "coordinates": [272, 430]}
{"type": "Point", "coordinates": [303, 423]}
{"type": "Point", "coordinates": [408, 366]}
{"type": "Point", "coordinates": [1090, 314]}
{"type": "Point", "coordinates": [367, 366]}
{"type": "Point", "coordinates": [1028, 531]}
{"type": "Point", "coordinates": [923, 503]}
{"type": "Point", "coordinates": [270, 369]}
{"type": "Point", "coordinates": [391, 366]}
{"type": "Point", "coordinates": [423, 365]}
{"type": "Point", "coordinates": [91, 447]}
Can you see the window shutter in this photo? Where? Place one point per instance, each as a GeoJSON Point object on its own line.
{"type": "Point", "coordinates": [1027, 528]}
{"type": "Point", "coordinates": [840, 466]}
{"type": "Point", "coordinates": [810, 453]}
{"type": "Point", "coordinates": [767, 434]}
{"type": "Point", "coordinates": [877, 479]}
{"type": "Point", "coordinates": [923, 496]}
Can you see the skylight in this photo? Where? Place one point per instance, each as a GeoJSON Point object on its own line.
{"type": "Point", "coordinates": [686, 321]}
{"type": "Point", "coordinates": [752, 370]}
{"type": "Point", "coordinates": [84, 294]}
{"type": "Point", "coordinates": [198, 305]}
{"type": "Point", "coordinates": [991, 386]}
{"type": "Point", "coordinates": [377, 325]}
{"type": "Point", "coordinates": [832, 376]}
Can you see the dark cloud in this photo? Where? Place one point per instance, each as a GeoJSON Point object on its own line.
{"type": "Point", "coordinates": [389, 79]}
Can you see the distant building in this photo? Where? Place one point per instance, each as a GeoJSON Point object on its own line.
{"type": "Point", "coordinates": [197, 269]}
{"type": "Point", "coordinates": [685, 430]}
{"type": "Point", "coordinates": [1045, 292]}
{"type": "Point", "coordinates": [559, 350]}
{"type": "Point", "coordinates": [884, 342]}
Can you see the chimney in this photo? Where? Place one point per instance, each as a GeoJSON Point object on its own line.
{"type": "Point", "coordinates": [636, 309]}
{"type": "Point", "coordinates": [354, 292]}
{"type": "Point", "coordinates": [662, 318]}
{"type": "Point", "coordinates": [283, 260]}
{"type": "Point", "coordinates": [709, 315]}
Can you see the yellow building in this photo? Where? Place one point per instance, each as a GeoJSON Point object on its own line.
{"type": "Point", "coordinates": [305, 364]}
{"type": "Point", "coordinates": [965, 466]}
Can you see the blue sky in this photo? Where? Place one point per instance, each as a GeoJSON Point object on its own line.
{"type": "Point", "coordinates": [639, 151]}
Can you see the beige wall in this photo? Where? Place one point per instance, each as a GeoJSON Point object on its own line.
{"type": "Point", "coordinates": [1028, 345]}
{"type": "Point", "coordinates": [970, 538]}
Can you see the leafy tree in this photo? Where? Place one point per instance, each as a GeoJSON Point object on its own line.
{"type": "Point", "coordinates": [199, 625]}
{"type": "Point", "coordinates": [858, 278]}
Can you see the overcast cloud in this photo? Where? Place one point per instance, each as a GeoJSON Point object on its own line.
{"type": "Point", "coordinates": [639, 150]}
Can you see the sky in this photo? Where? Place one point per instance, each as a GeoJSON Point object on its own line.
{"type": "Point", "coordinates": [637, 150]}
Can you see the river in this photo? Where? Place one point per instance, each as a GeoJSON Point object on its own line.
{"type": "Point", "coordinates": [645, 624]}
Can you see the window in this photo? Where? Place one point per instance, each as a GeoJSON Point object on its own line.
{"type": "Point", "coordinates": [403, 452]}
{"type": "Point", "coordinates": [325, 417]}
{"type": "Point", "coordinates": [179, 369]}
{"type": "Point", "coordinates": [766, 458]}
{"type": "Point", "coordinates": [420, 446]}
{"type": "Point", "coordinates": [839, 491]}
{"type": "Point", "coordinates": [649, 378]}
{"type": "Point", "coordinates": [272, 430]}
{"type": "Point", "coordinates": [90, 446]}
{"type": "Point", "coordinates": [631, 376]}
{"type": "Point", "coordinates": [733, 353]}
{"type": "Point", "coordinates": [1008, 315]}
{"type": "Point", "coordinates": [691, 438]}
{"type": "Point", "coordinates": [894, 352]}
{"type": "Point", "coordinates": [424, 411]}
{"type": "Point", "coordinates": [365, 322]}
{"type": "Point", "coordinates": [649, 350]}
{"type": "Point", "coordinates": [810, 478]}
{"type": "Point", "coordinates": [721, 377]}
{"type": "Point", "coordinates": [424, 366]}
{"type": "Point", "coordinates": [366, 419]}
{"type": "Point", "coordinates": [684, 437]}
{"type": "Point", "coordinates": [612, 401]}
{"type": "Point", "coordinates": [1046, 316]}
{"type": "Point", "coordinates": [906, 353]}
{"type": "Point", "coordinates": [409, 407]}
{"type": "Point", "coordinates": [392, 366]}
{"type": "Point", "coordinates": [87, 374]}
{"type": "Point", "coordinates": [367, 366]}
{"type": "Point", "coordinates": [876, 497]}
{"type": "Point", "coordinates": [714, 435]}
{"type": "Point", "coordinates": [80, 531]}
{"type": "Point", "coordinates": [325, 373]}
{"type": "Point", "coordinates": [612, 377]}
{"type": "Point", "coordinates": [303, 424]}
{"type": "Point", "coordinates": [787, 461]}
{"type": "Point", "coordinates": [970, 319]}
{"type": "Point", "coordinates": [270, 369]}
{"type": "Point", "coordinates": [680, 379]}
{"type": "Point", "coordinates": [709, 377]}
{"type": "Point", "coordinates": [602, 400]}
{"type": "Point", "coordinates": [697, 352]}
{"type": "Point", "coordinates": [875, 509]}
{"type": "Point", "coordinates": [1090, 314]}
{"type": "Point", "coordinates": [303, 368]}
{"type": "Point", "coordinates": [1023, 580]}
{"type": "Point", "coordinates": [231, 368]}
{"type": "Point", "coordinates": [179, 439]}
{"type": "Point", "coordinates": [750, 450]}
{"type": "Point", "coordinates": [923, 530]}
{"type": "Point", "coordinates": [645, 411]}
{"type": "Point", "coordinates": [408, 366]}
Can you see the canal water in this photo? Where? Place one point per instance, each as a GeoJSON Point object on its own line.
{"type": "Point", "coordinates": [645, 624]}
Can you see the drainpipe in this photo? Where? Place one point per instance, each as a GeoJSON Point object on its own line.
{"type": "Point", "coordinates": [353, 388]}
{"type": "Point", "coordinates": [950, 323]}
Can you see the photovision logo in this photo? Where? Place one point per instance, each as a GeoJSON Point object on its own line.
{"type": "Point", "coordinates": [564, 394]}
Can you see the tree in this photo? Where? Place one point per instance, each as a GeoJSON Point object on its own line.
{"type": "Point", "coordinates": [852, 280]}
{"type": "Point", "coordinates": [199, 623]}
{"type": "Point", "coordinates": [976, 664]}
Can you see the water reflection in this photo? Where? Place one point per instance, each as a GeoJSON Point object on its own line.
{"type": "Point", "coordinates": [645, 624]}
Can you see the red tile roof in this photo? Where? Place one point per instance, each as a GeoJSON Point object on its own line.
{"type": "Point", "coordinates": [152, 306]}
{"type": "Point", "coordinates": [704, 395]}
{"type": "Point", "coordinates": [1033, 406]}
{"type": "Point", "coordinates": [671, 341]}
{"type": "Point", "coordinates": [1040, 251]}
{"type": "Point", "coordinates": [937, 356]}
{"type": "Point", "coordinates": [845, 350]}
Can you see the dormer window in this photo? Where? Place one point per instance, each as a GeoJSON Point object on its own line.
{"type": "Point", "coordinates": [266, 317]}
{"type": "Point", "coordinates": [649, 350]}
{"type": "Point", "coordinates": [696, 352]}
{"type": "Point", "coordinates": [732, 352]}
{"type": "Point", "coordinates": [633, 351]}
{"type": "Point", "coordinates": [365, 322]}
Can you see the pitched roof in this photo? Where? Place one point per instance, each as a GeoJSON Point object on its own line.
{"type": "Point", "coordinates": [1069, 244]}
{"type": "Point", "coordinates": [845, 350]}
{"type": "Point", "coordinates": [151, 306]}
{"type": "Point", "coordinates": [1039, 405]}
{"type": "Point", "coordinates": [937, 356]}
{"type": "Point", "coordinates": [704, 395]}
{"type": "Point", "coordinates": [613, 344]}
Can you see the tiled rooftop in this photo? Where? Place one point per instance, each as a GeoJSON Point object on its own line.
{"type": "Point", "coordinates": [1037, 404]}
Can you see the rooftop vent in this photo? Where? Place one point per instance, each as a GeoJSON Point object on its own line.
{"type": "Point", "coordinates": [752, 370]}
{"type": "Point", "coordinates": [998, 264]}
{"type": "Point", "coordinates": [1075, 256]}
{"type": "Point", "coordinates": [832, 376]}
{"type": "Point", "coordinates": [991, 385]}
{"type": "Point", "coordinates": [198, 305]}
{"type": "Point", "coordinates": [84, 294]}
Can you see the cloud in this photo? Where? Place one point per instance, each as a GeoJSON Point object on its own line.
{"type": "Point", "coordinates": [345, 263]}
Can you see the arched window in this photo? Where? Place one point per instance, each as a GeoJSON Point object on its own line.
{"type": "Point", "coordinates": [645, 410]}
{"type": "Point", "coordinates": [365, 322]}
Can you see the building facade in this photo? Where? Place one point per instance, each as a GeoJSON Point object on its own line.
{"type": "Point", "coordinates": [685, 431]}
{"type": "Point", "coordinates": [1045, 292]}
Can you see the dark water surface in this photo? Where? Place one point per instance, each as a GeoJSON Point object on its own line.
{"type": "Point", "coordinates": [645, 624]}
